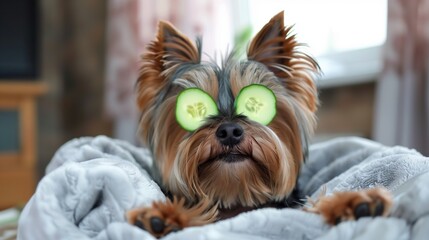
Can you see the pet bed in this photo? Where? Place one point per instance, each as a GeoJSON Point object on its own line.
{"type": "Point", "coordinates": [91, 182]}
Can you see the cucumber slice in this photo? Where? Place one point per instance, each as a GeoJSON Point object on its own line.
{"type": "Point", "coordinates": [193, 106]}
{"type": "Point", "coordinates": [257, 102]}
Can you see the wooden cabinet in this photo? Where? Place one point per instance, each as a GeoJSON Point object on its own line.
{"type": "Point", "coordinates": [18, 129]}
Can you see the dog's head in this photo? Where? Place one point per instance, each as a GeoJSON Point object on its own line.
{"type": "Point", "coordinates": [230, 156]}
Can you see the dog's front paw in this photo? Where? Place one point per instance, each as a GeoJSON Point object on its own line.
{"type": "Point", "coordinates": [344, 206]}
{"type": "Point", "coordinates": [171, 216]}
{"type": "Point", "coordinates": [157, 220]}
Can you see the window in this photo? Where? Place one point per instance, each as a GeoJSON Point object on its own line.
{"type": "Point", "coordinates": [345, 36]}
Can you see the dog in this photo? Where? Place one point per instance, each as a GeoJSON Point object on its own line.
{"type": "Point", "coordinates": [230, 161]}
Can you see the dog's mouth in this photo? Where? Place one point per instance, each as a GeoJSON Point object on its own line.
{"type": "Point", "coordinates": [231, 157]}
{"type": "Point", "coordinates": [244, 154]}
{"type": "Point", "coordinates": [227, 157]}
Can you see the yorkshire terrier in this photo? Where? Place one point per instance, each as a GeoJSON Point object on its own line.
{"type": "Point", "coordinates": [232, 161]}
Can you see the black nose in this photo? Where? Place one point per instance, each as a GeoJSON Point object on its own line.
{"type": "Point", "coordinates": [229, 133]}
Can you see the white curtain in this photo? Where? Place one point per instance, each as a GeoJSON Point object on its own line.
{"type": "Point", "coordinates": [132, 25]}
{"type": "Point", "coordinates": [402, 110]}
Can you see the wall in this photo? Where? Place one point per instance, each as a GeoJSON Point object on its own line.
{"type": "Point", "coordinates": [346, 111]}
{"type": "Point", "coordinates": [72, 55]}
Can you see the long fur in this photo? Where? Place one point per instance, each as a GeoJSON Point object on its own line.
{"type": "Point", "coordinates": [195, 165]}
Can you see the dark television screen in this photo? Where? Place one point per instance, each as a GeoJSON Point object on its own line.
{"type": "Point", "coordinates": [18, 40]}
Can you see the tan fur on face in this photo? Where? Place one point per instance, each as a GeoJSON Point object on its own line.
{"type": "Point", "coordinates": [167, 139]}
{"type": "Point", "coordinates": [199, 170]}
{"type": "Point", "coordinates": [285, 124]}
{"type": "Point", "coordinates": [202, 77]}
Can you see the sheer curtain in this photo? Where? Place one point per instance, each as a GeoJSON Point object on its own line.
{"type": "Point", "coordinates": [132, 24]}
{"type": "Point", "coordinates": [402, 111]}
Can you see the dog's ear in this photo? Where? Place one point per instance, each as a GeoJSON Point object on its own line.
{"type": "Point", "coordinates": [276, 48]}
{"type": "Point", "coordinates": [164, 55]}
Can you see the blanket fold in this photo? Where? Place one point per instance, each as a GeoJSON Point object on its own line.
{"type": "Point", "coordinates": [92, 181]}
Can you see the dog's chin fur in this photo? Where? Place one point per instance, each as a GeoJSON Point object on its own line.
{"type": "Point", "coordinates": [264, 165]}
{"type": "Point", "coordinates": [257, 170]}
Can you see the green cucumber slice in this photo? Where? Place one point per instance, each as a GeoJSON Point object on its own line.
{"type": "Point", "coordinates": [257, 102]}
{"type": "Point", "coordinates": [193, 106]}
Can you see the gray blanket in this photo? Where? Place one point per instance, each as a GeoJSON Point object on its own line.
{"type": "Point", "coordinates": [91, 182]}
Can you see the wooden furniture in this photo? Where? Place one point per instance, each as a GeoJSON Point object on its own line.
{"type": "Point", "coordinates": [18, 140]}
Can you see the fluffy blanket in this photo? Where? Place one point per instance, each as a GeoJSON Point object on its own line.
{"type": "Point", "coordinates": [91, 182]}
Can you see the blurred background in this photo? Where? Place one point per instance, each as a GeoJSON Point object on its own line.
{"type": "Point", "coordinates": [68, 68]}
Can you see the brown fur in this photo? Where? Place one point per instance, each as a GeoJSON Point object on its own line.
{"type": "Point", "coordinates": [176, 215]}
{"type": "Point", "coordinates": [188, 162]}
{"type": "Point", "coordinates": [195, 166]}
{"type": "Point", "coordinates": [281, 54]}
{"type": "Point", "coordinates": [340, 206]}
{"type": "Point", "coordinates": [161, 59]}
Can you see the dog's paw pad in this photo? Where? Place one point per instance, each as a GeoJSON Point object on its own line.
{"type": "Point", "coordinates": [157, 224]}
{"type": "Point", "coordinates": [379, 208]}
{"type": "Point", "coordinates": [362, 210]}
{"type": "Point", "coordinates": [345, 206]}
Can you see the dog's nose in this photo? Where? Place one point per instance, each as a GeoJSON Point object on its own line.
{"type": "Point", "coordinates": [229, 134]}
